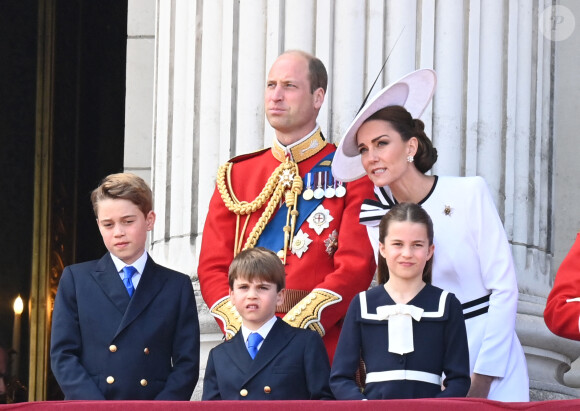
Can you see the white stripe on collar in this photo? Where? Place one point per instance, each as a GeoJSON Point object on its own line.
{"type": "Point", "coordinates": [426, 314]}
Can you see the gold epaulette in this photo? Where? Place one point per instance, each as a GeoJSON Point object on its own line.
{"type": "Point", "coordinates": [225, 311]}
{"type": "Point", "coordinates": [306, 314]}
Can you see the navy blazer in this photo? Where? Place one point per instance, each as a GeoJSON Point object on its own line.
{"type": "Point", "coordinates": [105, 345]}
{"type": "Point", "coordinates": [292, 364]}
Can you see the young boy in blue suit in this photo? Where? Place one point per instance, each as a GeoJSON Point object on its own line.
{"type": "Point", "coordinates": [290, 363]}
{"type": "Point", "coordinates": [124, 327]}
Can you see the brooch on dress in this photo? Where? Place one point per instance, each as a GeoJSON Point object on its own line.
{"type": "Point", "coordinates": [447, 210]}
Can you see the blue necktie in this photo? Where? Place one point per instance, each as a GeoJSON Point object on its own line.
{"type": "Point", "coordinates": [129, 271]}
{"type": "Point", "coordinates": [254, 339]}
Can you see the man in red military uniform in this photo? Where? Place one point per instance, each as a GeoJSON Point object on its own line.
{"type": "Point", "coordinates": [284, 199]}
{"type": "Point", "coordinates": [562, 313]}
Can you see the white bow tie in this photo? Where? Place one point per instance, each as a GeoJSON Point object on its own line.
{"type": "Point", "coordinates": [400, 325]}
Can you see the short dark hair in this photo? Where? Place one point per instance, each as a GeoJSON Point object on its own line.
{"type": "Point", "coordinates": [316, 71]}
{"type": "Point", "coordinates": [257, 263]}
{"type": "Point", "coordinates": [404, 212]}
{"type": "Point", "coordinates": [123, 186]}
{"type": "Point", "coordinates": [404, 123]}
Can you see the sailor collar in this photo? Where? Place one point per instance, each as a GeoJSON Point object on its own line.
{"type": "Point", "coordinates": [300, 150]}
{"type": "Point", "coordinates": [439, 313]}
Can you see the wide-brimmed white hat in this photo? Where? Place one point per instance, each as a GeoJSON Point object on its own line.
{"type": "Point", "coordinates": [414, 91]}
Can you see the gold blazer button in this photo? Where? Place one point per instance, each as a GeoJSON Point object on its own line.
{"type": "Point", "coordinates": [143, 382]}
{"type": "Point", "coordinates": [146, 351]}
{"type": "Point", "coordinates": [113, 348]}
{"type": "Point", "coordinates": [244, 392]}
{"type": "Point", "coordinates": [267, 389]}
{"type": "Point", "coordinates": [110, 380]}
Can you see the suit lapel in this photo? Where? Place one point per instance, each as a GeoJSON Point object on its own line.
{"type": "Point", "coordinates": [239, 353]}
{"type": "Point", "coordinates": [278, 338]}
{"type": "Point", "coordinates": [108, 278]}
{"type": "Point", "coordinates": [150, 284]}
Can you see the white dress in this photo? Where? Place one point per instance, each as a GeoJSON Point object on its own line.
{"type": "Point", "coordinates": [472, 260]}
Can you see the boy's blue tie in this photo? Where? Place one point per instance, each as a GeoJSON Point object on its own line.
{"type": "Point", "coordinates": [254, 339]}
{"type": "Point", "coordinates": [129, 271]}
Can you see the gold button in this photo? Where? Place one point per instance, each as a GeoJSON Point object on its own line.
{"type": "Point", "coordinates": [110, 380]}
{"type": "Point", "coordinates": [244, 392]}
{"type": "Point", "coordinates": [143, 382]}
{"type": "Point", "coordinates": [146, 351]}
{"type": "Point", "coordinates": [113, 348]}
{"type": "Point", "coordinates": [267, 389]}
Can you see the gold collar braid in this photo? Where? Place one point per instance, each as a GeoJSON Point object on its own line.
{"type": "Point", "coordinates": [285, 180]}
{"type": "Point", "coordinates": [301, 151]}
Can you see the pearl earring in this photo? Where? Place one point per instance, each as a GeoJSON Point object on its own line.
{"type": "Point", "coordinates": [410, 159]}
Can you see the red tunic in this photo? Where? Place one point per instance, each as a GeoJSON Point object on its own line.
{"type": "Point", "coordinates": [562, 313]}
{"type": "Point", "coordinates": [347, 272]}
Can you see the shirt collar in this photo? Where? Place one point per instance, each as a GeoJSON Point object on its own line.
{"type": "Point", "coordinates": [263, 330]}
{"type": "Point", "coordinates": [139, 264]}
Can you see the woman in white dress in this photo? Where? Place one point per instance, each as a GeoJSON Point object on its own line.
{"type": "Point", "coordinates": [473, 260]}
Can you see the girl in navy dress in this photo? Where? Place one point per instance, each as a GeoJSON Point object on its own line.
{"type": "Point", "coordinates": [410, 334]}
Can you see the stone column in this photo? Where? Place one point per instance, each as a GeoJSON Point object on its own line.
{"type": "Point", "coordinates": [140, 87]}
{"type": "Point", "coordinates": [506, 93]}
{"type": "Point", "coordinates": [565, 225]}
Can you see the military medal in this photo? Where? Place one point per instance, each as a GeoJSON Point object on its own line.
{"type": "Point", "coordinates": [331, 243]}
{"type": "Point", "coordinates": [308, 194]}
{"type": "Point", "coordinates": [287, 178]}
{"type": "Point", "coordinates": [329, 191]}
{"type": "Point", "coordinates": [319, 219]}
{"type": "Point", "coordinates": [340, 189]}
{"type": "Point", "coordinates": [300, 243]}
{"type": "Point", "coordinates": [319, 192]}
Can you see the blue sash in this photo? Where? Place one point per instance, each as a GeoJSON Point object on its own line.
{"type": "Point", "coordinates": [272, 237]}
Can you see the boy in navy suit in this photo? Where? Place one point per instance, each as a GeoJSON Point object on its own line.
{"type": "Point", "coordinates": [267, 359]}
{"type": "Point", "coordinates": [124, 327]}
